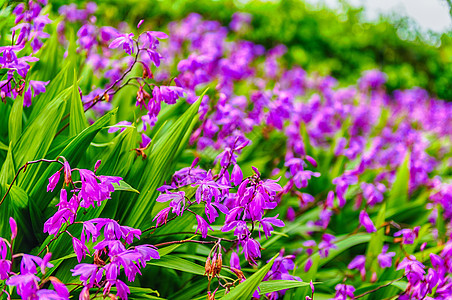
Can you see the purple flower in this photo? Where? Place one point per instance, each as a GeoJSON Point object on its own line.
{"type": "Point", "coordinates": [38, 88]}
{"type": "Point", "coordinates": [408, 235]}
{"type": "Point", "coordinates": [13, 226]}
{"type": "Point", "coordinates": [414, 270]}
{"type": "Point", "coordinates": [80, 249]}
{"type": "Point", "coordinates": [124, 40]}
{"type": "Point", "coordinates": [366, 222]}
{"type": "Point", "coordinates": [26, 284]}
{"type": "Point", "coordinates": [252, 250]}
{"type": "Point", "coordinates": [359, 263]}
{"type": "Point", "coordinates": [236, 175]}
{"type": "Point", "coordinates": [162, 216]}
{"type": "Point", "coordinates": [87, 272]}
{"type": "Point", "coordinates": [147, 252]}
{"type": "Point", "coordinates": [326, 244]}
{"type": "Point", "coordinates": [177, 201]}
{"type": "Point", "coordinates": [290, 216]}
{"type": "Point", "coordinates": [203, 226]}
{"type": "Point", "coordinates": [343, 291]}
{"type": "Point", "coordinates": [29, 262]}
{"type": "Point", "coordinates": [235, 261]}
{"type": "Point", "coordinates": [59, 287]}
{"type": "Point", "coordinates": [384, 258]}
{"type": "Point", "coordinates": [53, 181]}
{"type": "Point", "coordinates": [267, 223]}
{"type": "Point", "coordinates": [5, 268]}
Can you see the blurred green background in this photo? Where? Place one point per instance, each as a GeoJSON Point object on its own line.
{"type": "Point", "coordinates": [337, 42]}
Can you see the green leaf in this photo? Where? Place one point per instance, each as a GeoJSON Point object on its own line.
{"type": "Point", "coordinates": [246, 289]}
{"type": "Point", "coordinates": [50, 57]}
{"type": "Point", "coordinates": [15, 120]}
{"type": "Point", "coordinates": [3, 146]}
{"type": "Point", "coordinates": [8, 168]}
{"type": "Point", "coordinates": [277, 285]}
{"type": "Point", "coordinates": [177, 263]}
{"type": "Point", "coordinates": [138, 292]}
{"type": "Point", "coordinates": [124, 186]}
{"type": "Point", "coordinates": [61, 82]}
{"type": "Point", "coordinates": [399, 191]}
{"type": "Point", "coordinates": [77, 119]}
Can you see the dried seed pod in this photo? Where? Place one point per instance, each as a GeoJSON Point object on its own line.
{"type": "Point", "coordinates": [218, 265]}
{"type": "Point", "coordinates": [238, 273]}
{"type": "Point", "coordinates": [207, 267]}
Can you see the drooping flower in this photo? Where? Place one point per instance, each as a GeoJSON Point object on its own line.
{"type": "Point", "coordinates": [124, 40]}
{"type": "Point", "coordinates": [366, 222]}
{"type": "Point", "coordinates": [385, 258]}
{"type": "Point", "coordinates": [203, 226]}
{"type": "Point", "coordinates": [343, 291]}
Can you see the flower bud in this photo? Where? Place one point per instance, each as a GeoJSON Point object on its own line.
{"type": "Point", "coordinates": [13, 225]}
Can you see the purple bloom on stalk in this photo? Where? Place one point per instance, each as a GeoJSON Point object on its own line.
{"type": "Point", "coordinates": [290, 216]}
{"type": "Point", "coordinates": [366, 222]}
{"type": "Point", "coordinates": [162, 216]}
{"type": "Point", "coordinates": [29, 262]}
{"type": "Point", "coordinates": [26, 285]}
{"type": "Point", "coordinates": [147, 252]}
{"type": "Point", "coordinates": [59, 287]}
{"type": "Point", "coordinates": [177, 201]}
{"type": "Point", "coordinates": [343, 291]}
{"type": "Point", "coordinates": [359, 263]}
{"type": "Point", "coordinates": [153, 38]}
{"type": "Point", "coordinates": [80, 249]}
{"type": "Point", "coordinates": [372, 79]}
{"type": "Point", "coordinates": [53, 181]}
{"type": "Point", "coordinates": [122, 289]}
{"type": "Point", "coordinates": [342, 183]}
{"type": "Point", "coordinates": [38, 88]}
{"type": "Point", "coordinates": [267, 223]}
{"type": "Point", "coordinates": [326, 244]}
{"type": "Point", "coordinates": [385, 258]}
{"type": "Point", "coordinates": [408, 235]}
{"type": "Point", "coordinates": [252, 250]}
{"type": "Point", "coordinates": [128, 233]}
{"type": "Point", "coordinates": [414, 270]}
{"type": "Point", "coordinates": [308, 265]}
{"type": "Point", "coordinates": [236, 175]}
{"type": "Point", "coordinates": [124, 40]}
{"type": "Point", "coordinates": [203, 226]}
{"type": "Point", "coordinates": [373, 193]}
{"type": "Point", "coordinates": [87, 272]}
{"type": "Point", "coordinates": [235, 261]}
{"type": "Point", "coordinates": [13, 226]}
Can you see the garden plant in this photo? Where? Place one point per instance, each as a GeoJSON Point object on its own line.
{"type": "Point", "coordinates": [191, 163]}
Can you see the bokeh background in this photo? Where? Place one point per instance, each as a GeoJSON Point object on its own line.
{"type": "Point", "coordinates": [411, 41]}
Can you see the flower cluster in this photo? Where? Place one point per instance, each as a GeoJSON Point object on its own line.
{"type": "Point", "coordinates": [110, 256]}
{"type": "Point", "coordinates": [28, 284]}
{"type": "Point", "coordinates": [28, 32]}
